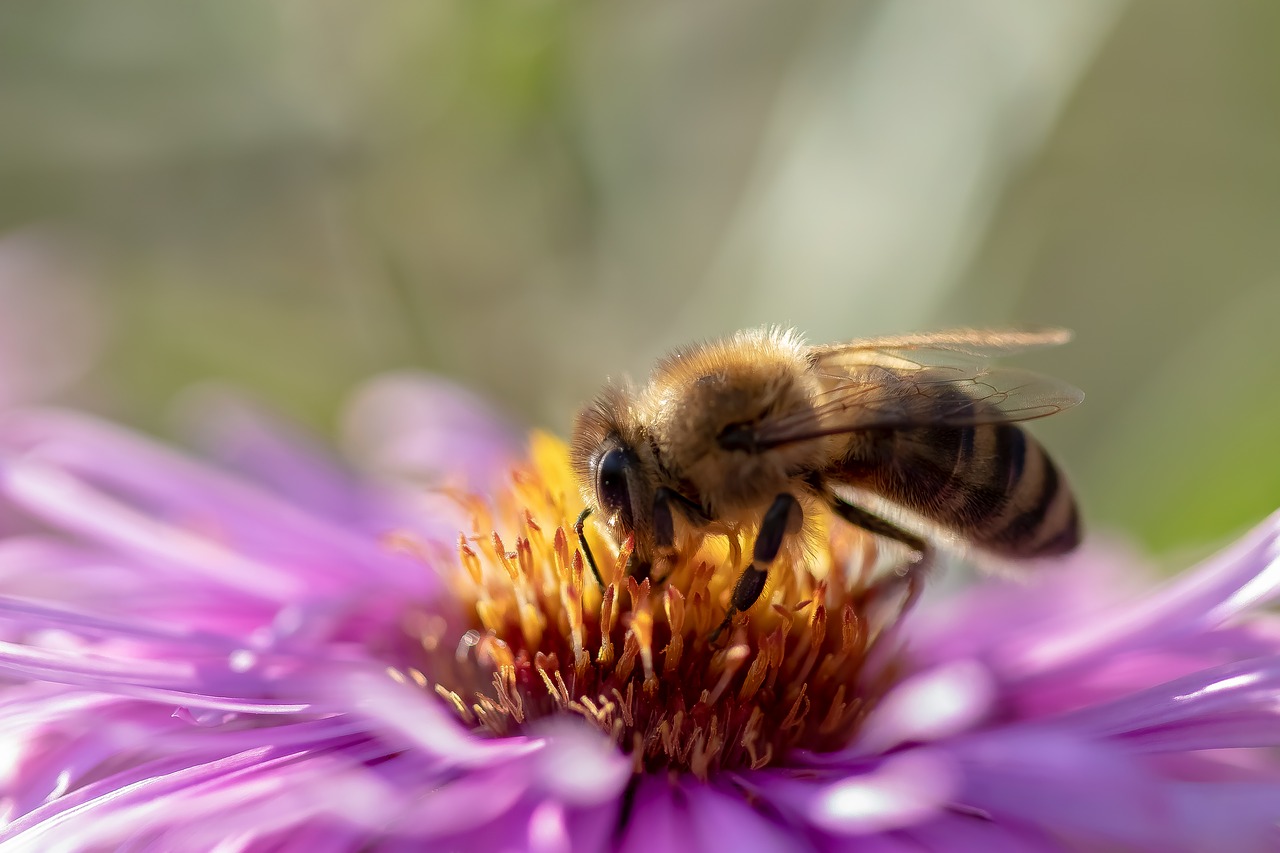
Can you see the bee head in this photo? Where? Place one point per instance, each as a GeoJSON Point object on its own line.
{"type": "Point", "coordinates": [607, 466]}
{"type": "Point", "coordinates": [615, 472]}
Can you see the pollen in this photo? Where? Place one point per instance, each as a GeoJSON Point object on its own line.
{"type": "Point", "coordinates": [637, 659]}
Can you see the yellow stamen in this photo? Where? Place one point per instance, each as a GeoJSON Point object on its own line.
{"type": "Point", "coordinates": [636, 660]}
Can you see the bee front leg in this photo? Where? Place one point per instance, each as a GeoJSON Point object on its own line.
{"type": "Point", "coordinates": [665, 502]}
{"type": "Point", "coordinates": [580, 529]}
{"type": "Point", "coordinates": [783, 517]}
{"type": "Point", "coordinates": [664, 531]}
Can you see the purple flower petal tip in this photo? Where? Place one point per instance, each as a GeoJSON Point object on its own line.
{"type": "Point", "coordinates": [578, 765]}
{"type": "Point", "coordinates": [904, 790]}
{"type": "Point", "coordinates": [422, 426]}
{"type": "Point", "coordinates": [934, 704]}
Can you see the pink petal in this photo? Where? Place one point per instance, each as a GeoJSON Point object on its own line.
{"type": "Point", "coordinates": [422, 427]}
{"type": "Point", "coordinates": [1241, 577]}
{"type": "Point", "coordinates": [660, 819]}
{"type": "Point", "coordinates": [549, 829]}
{"type": "Point", "coordinates": [243, 437]}
{"type": "Point", "coordinates": [421, 720]}
{"type": "Point", "coordinates": [578, 765]}
{"type": "Point", "coordinates": [1072, 784]}
{"type": "Point", "coordinates": [905, 789]}
{"type": "Point", "coordinates": [1211, 694]}
{"type": "Point", "coordinates": [932, 705]}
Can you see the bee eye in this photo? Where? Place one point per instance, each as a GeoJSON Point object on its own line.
{"type": "Point", "coordinates": [612, 488]}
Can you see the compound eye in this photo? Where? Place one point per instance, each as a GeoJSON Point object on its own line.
{"type": "Point", "coordinates": [612, 489]}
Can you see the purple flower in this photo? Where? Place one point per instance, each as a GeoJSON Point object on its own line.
{"type": "Point", "coordinates": [267, 652]}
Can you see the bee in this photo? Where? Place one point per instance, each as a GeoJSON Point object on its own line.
{"type": "Point", "coordinates": [759, 431]}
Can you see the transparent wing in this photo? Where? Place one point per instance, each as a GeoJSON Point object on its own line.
{"type": "Point", "coordinates": [931, 346]}
{"type": "Point", "coordinates": [913, 381]}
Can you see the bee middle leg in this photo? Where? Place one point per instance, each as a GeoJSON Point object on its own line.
{"type": "Point", "coordinates": [783, 517]}
{"type": "Point", "coordinates": [872, 523]}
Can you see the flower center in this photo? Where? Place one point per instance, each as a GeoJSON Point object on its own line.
{"type": "Point", "coordinates": [637, 659]}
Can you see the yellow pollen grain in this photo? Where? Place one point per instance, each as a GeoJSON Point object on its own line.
{"type": "Point", "coordinates": [755, 676]}
{"type": "Point", "coordinates": [673, 604]}
{"type": "Point", "coordinates": [835, 711]}
{"type": "Point", "coordinates": [470, 561]}
{"type": "Point", "coordinates": [532, 623]}
{"type": "Point", "coordinates": [850, 629]}
{"type": "Point", "coordinates": [490, 613]}
{"type": "Point", "coordinates": [734, 657]}
{"type": "Point", "coordinates": [541, 571]}
{"type": "Point", "coordinates": [524, 560]}
{"type": "Point", "coordinates": [459, 707]}
{"type": "Point", "coordinates": [560, 551]}
{"type": "Point", "coordinates": [642, 628]}
{"type": "Point", "coordinates": [544, 671]}
{"type": "Point", "coordinates": [605, 656]}
{"type": "Point", "coordinates": [627, 662]}
{"type": "Point", "coordinates": [624, 555]}
{"type": "Point", "coordinates": [571, 603]}
{"type": "Point", "coordinates": [497, 651]}
{"type": "Point", "coordinates": [504, 557]}
{"type": "Point", "coordinates": [799, 709]}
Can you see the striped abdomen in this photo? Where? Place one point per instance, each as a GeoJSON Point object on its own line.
{"type": "Point", "coordinates": [992, 483]}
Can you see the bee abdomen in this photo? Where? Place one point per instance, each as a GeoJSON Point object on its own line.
{"type": "Point", "coordinates": [992, 484]}
{"type": "Point", "coordinates": [1037, 516]}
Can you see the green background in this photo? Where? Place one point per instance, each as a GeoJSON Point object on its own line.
{"type": "Point", "coordinates": [529, 195]}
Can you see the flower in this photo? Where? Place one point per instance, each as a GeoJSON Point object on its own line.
{"type": "Point", "coordinates": [268, 652]}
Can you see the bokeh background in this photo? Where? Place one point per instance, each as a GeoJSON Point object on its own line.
{"type": "Point", "coordinates": [526, 195]}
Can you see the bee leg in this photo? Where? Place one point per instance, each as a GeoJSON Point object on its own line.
{"type": "Point", "coordinates": [665, 502]}
{"type": "Point", "coordinates": [664, 524]}
{"type": "Point", "coordinates": [784, 516]}
{"type": "Point", "coordinates": [745, 593]}
{"type": "Point", "coordinates": [579, 528]}
{"type": "Point", "coordinates": [859, 517]}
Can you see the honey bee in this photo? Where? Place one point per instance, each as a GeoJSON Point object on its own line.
{"type": "Point", "coordinates": [759, 431]}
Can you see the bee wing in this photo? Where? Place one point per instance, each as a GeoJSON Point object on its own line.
{"type": "Point", "coordinates": [941, 379]}
{"type": "Point", "coordinates": [978, 344]}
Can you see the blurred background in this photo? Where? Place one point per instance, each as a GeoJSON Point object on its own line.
{"type": "Point", "coordinates": [527, 195]}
